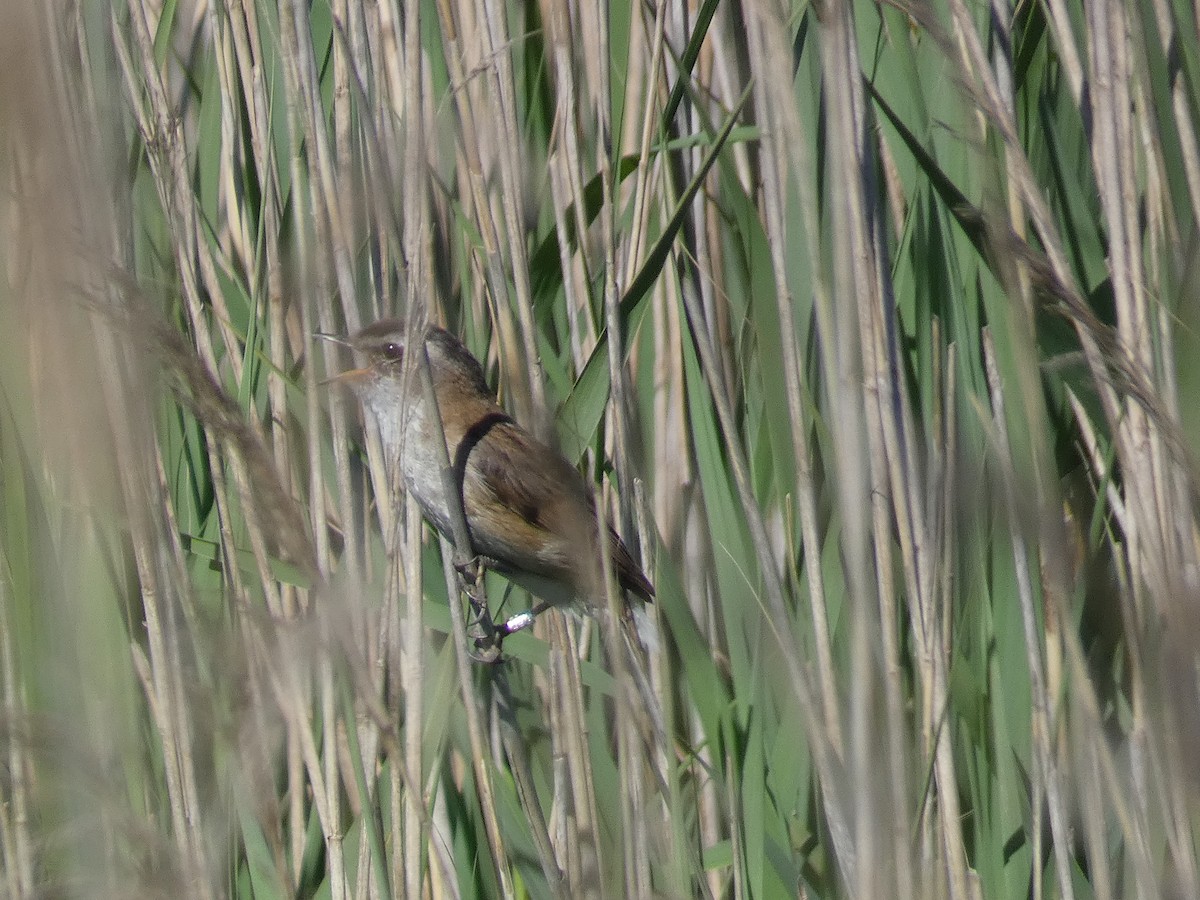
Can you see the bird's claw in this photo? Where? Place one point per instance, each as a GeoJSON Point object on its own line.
{"type": "Point", "coordinates": [485, 638]}
{"type": "Point", "coordinates": [486, 641]}
{"type": "Point", "coordinates": [470, 570]}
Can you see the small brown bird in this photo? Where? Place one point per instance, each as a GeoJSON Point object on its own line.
{"type": "Point", "coordinates": [530, 514]}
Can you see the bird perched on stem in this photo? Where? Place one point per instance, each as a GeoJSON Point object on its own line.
{"type": "Point", "coordinates": [529, 513]}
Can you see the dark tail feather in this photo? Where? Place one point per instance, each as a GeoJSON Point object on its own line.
{"type": "Point", "coordinates": [629, 574]}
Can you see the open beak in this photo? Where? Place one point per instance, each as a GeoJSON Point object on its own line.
{"type": "Point", "coordinates": [350, 376]}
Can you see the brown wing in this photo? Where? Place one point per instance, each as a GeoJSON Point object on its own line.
{"type": "Point", "coordinates": [532, 506]}
{"type": "Point", "coordinates": [538, 511]}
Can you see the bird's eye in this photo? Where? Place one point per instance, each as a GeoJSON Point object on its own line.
{"type": "Point", "coordinates": [392, 350]}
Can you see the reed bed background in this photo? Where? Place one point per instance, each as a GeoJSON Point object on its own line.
{"type": "Point", "coordinates": [874, 324]}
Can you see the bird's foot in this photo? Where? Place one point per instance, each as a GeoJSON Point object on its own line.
{"type": "Point", "coordinates": [470, 570]}
{"type": "Point", "coordinates": [485, 638]}
{"type": "Point", "coordinates": [485, 646]}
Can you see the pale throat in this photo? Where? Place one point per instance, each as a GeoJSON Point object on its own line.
{"type": "Point", "coordinates": [402, 420]}
{"type": "Point", "coordinates": [391, 411]}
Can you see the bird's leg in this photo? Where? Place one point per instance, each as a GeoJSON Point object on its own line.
{"type": "Point", "coordinates": [485, 637]}
{"type": "Point", "coordinates": [521, 620]}
{"type": "Point", "coordinates": [484, 648]}
{"type": "Point", "coordinates": [480, 627]}
{"type": "Point", "coordinates": [469, 570]}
